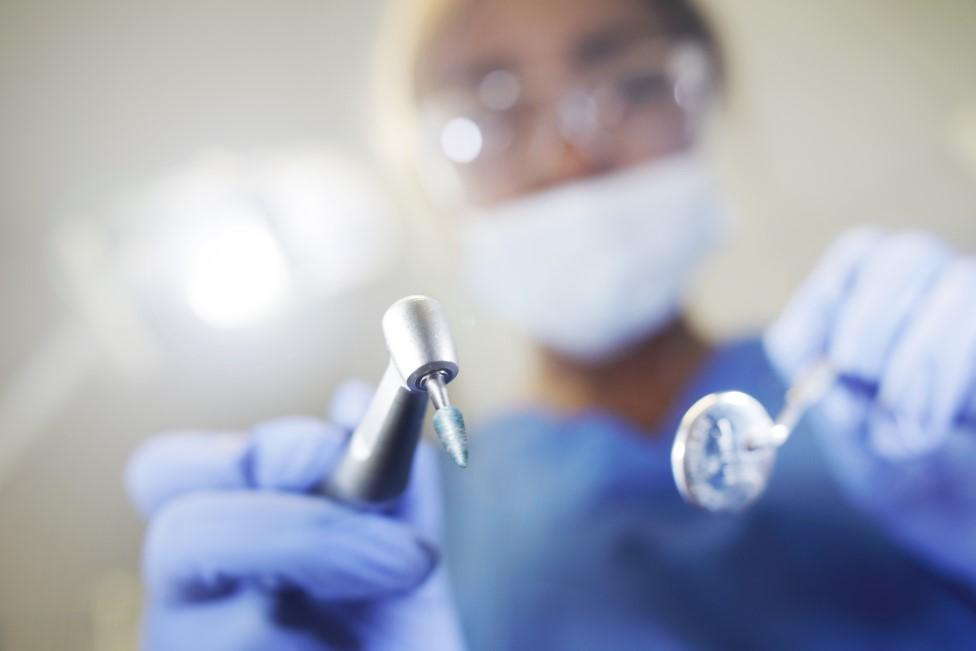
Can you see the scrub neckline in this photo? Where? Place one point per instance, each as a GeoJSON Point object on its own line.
{"type": "Point", "coordinates": [707, 378]}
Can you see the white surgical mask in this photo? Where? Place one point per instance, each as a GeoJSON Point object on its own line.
{"type": "Point", "coordinates": [590, 267]}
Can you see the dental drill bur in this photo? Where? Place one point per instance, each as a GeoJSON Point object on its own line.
{"type": "Point", "coordinates": [375, 466]}
{"type": "Point", "coordinates": [448, 422]}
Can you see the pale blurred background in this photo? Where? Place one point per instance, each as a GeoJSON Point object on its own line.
{"type": "Point", "coordinates": [138, 138]}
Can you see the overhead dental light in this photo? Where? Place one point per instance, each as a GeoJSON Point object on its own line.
{"type": "Point", "coordinates": [235, 274]}
{"type": "Point", "coordinates": [237, 238]}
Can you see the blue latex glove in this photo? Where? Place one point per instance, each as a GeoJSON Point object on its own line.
{"type": "Point", "coordinates": [896, 314]}
{"type": "Point", "coordinates": [240, 555]}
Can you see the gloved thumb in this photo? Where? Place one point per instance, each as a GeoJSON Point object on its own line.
{"type": "Point", "coordinates": [802, 333]}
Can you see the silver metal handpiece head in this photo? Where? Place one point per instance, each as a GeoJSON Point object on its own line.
{"type": "Point", "coordinates": [374, 468]}
{"type": "Point", "coordinates": [422, 349]}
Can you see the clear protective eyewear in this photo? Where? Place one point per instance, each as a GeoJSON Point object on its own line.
{"type": "Point", "coordinates": [643, 101]}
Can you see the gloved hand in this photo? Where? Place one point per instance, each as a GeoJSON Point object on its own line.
{"type": "Point", "coordinates": [896, 315]}
{"type": "Point", "coordinates": [241, 555]}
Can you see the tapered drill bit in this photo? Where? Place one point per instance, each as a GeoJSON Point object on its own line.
{"type": "Point", "coordinates": [449, 425]}
{"type": "Point", "coordinates": [448, 421]}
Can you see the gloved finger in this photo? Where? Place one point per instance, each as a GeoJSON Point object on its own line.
{"type": "Point", "coordinates": [282, 454]}
{"type": "Point", "coordinates": [926, 384]}
{"type": "Point", "coordinates": [173, 464]}
{"type": "Point", "coordinates": [802, 332]}
{"type": "Point", "coordinates": [349, 403]}
{"type": "Point", "coordinates": [293, 454]}
{"type": "Point", "coordinates": [845, 409]}
{"type": "Point", "coordinates": [205, 544]}
{"type": "Point", "coordinates": [889, 287]}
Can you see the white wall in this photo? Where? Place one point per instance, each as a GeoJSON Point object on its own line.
{"type": "Point", "coordinates": [841, 113]}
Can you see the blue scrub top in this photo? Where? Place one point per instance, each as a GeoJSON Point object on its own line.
{"type": "Point", "coordinates": [568, 533]}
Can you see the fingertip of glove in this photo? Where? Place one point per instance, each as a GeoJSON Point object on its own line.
{"type": "Point", "coordinates": [292, 454]}
{"type": "Point", "coordinates": [404, 562]}
{"type": "Point", "coordinates": [431, 551]}
{"type": "Point", "coordinates": [899, 439]}
{"type": "Point", "coordinates": [349, 403]}
{"type": "Point", "coordinates": [429, 560]}
{"type": "Point", "coordinates": [169, 464]}
{"type": "Point", "coordinates": [140, 476]}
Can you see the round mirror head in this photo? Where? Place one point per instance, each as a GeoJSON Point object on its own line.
{"type": "Point", "coordinates": [713, 464]}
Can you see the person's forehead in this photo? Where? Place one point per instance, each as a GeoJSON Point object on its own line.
{"type": "Point", "coordinates": [551, 36]}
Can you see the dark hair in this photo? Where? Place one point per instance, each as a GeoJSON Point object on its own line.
{"type": "Point", "coordinates": [684, 19]}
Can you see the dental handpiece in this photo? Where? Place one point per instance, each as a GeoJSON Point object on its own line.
{"type": "Point", "coordinates": [725, 449]}
{"type": "Point", "coordinates": [374, 468]}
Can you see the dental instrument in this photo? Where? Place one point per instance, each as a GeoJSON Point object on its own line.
{"type": "Point", "coordinates": [725, 448]}
{"type": "Point", "coordinates": [375, 466]}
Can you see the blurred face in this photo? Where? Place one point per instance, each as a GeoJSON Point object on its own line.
{"type": "Point", "coordinates": [520, 96]}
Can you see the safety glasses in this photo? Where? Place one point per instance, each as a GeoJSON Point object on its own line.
{"type": "Point", "coordinates": [641, 102]}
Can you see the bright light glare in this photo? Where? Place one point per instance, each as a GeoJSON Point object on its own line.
{"type": "Point", "coordinates": [235, 237]}
{"type": "Point", "coordinates": [235, 275]}
{"type": "Point", "coordinates": [461, 140]}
